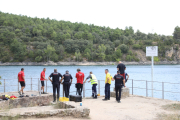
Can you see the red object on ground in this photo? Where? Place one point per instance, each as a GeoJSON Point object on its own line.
{"type": "Point", "coordinates": [13, 96]}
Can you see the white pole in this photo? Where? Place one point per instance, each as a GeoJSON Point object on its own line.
{"type": "Point", "coordinates": [152, 59]}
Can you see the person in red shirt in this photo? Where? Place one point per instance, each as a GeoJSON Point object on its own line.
{"type": "Point", "coordinates": [80, 79]}
{"type": "Point", "coordinates": [42, 78]}
{"type": "Point", "coordinates": [21, 80]}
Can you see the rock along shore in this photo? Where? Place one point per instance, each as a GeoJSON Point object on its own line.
{"type": "Point", "coordinates": [84, 63]}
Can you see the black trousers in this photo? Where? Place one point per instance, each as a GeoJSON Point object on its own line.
{"type": "Point", "coordinates": [107, 91]}
{"type": "Point", "coordinates": [118, 89]}
{"type": "Point", "coordinates": [56, 86]}
{"type": "Point", "coordinates": [94, 91]}
{"type": "Point", "coordinates": [79, 88]}
{"type": "Point", "coordinates": [66, 88]}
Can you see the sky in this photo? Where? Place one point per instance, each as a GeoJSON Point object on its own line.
{"type": "Point", "coordinates": [148, 16]}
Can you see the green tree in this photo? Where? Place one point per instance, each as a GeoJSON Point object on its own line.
{"type": "Point", "coordinates": [49, 51]}
{"type": "Point", "coordinates": [124, 48]}
{"type": "Point", "coordinates": [78, 56]}
{"type": "Point", "coordinates": [176, 34]}
{"type": "Point", "coordinates": [38, 58]}
{"type": "Point", "coordinates": [101, 52]}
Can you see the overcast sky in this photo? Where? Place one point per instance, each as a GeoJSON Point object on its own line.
{"type": "Point", "coordinates": [160, 16]}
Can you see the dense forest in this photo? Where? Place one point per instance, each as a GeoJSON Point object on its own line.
{"type": "Point", "coordinates": [24, 38]}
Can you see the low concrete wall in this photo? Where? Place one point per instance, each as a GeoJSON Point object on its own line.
{"type": "Point", "coordinates": [61, 109]}
{"type": "Point", "coordinates": [124, 92]}
{"type": "Point", "coordinates": [26, 102]}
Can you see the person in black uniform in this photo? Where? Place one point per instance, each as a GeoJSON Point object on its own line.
{"type": "Point", "coordinates": [119, 82]}
{"type": "Point", "coordinates": [56, 83]}
{"type": "Point", "coordinates": [67, 83]}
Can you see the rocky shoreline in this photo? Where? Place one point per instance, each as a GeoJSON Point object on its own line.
{"type": "Point", "coordinates": [50, 63]}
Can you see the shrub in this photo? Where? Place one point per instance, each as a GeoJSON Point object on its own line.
{"type": "Point", "coordinates": [124, 48]}
{"type": "Point", "coordinates": [136, 46]}
{"type": "Point", "coordinates": [156, 59]}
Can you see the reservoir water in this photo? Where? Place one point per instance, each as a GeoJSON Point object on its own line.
{"type": "Point", "coordinates": [162, 73]}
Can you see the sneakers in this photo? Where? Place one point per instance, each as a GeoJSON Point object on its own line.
{"type": "Point", "coordinates": [108, 98]}
{"type": "Point", "coordinates": [105, 99]}
{"type": "Point", "coordinates": [23, 93]}
{"type": "Point", "coordinates": [94, 97]}
{"type": "Point", "coordinates": [19, 93]}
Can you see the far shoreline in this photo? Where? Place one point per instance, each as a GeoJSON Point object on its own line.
{"type": "Point", "coordinates": [50, 63]}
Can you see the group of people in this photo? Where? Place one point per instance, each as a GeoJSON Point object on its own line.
{"type": "Point", "coordinates": [56, 78]}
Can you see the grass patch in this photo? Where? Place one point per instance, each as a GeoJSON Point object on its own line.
{"type": "Point", "coordinates": [10, 117]}
{"type": "Point", "coordinates": [171, 107]}
{"type": "Point", "coordinates": [168, 117]}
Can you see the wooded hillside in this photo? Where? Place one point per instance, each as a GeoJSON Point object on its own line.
{"type": "Point", "coordinates": [24, 38]}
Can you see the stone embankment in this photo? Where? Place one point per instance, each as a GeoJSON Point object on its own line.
{"type": "Point", "coordinates": [40, 106]}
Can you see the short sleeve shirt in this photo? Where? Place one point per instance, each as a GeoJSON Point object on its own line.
{"type": "Point", "coordinates": [121, 68]}
{"type": "Point", "coordinates": [55, 77]}
{"type": "Point", "coordinates": [42, 75]}
{"type": "Point", "coordinates": [118, 79]}
{"type": "Point", "coordinates": [20, 75]}
{"type": "Point", "coordinates": [67, 77]}
{"type": "Point", "coordinates": [108, 75]}
{"type": "Point", "coordinates": [80, 77]}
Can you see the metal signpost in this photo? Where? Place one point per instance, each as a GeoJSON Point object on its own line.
{"type": "Point", "coordinates": [152, 51]}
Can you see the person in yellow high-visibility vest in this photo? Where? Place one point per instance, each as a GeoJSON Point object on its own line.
{"type": "Point", "coordinates": [94, 83]}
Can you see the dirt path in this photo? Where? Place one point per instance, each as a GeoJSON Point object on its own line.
{"type": "Point", "coordinates": [131, 108]}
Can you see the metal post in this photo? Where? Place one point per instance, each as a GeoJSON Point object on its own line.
{"type": "Point", "coordinates": [4, 86]}
{"type": "Point", "coordinates": [63, 90]}
{"type": "Point", "coordinates": [38, 84]}
{"type": "Point", "coordinates": [99, 87]}
{"type": "Point", "coordinates": [46, 86]}
{"type": "Point", "coordinates": [132, 86]}
{"type": "Point", "coordinates": [18, 86]}
{"type": "Point", "coordinates": [152, 73]}
{"type": "Point", "coordinates": [146, 88]}
{"type": "Point", "coordinates": [39, 87]}
{"type": "Point", "coordinates": [31, 84]}
{"type": "Point", "coordinates": [83, 90]}
{"type": "Point", "coordinates": [162, 90]}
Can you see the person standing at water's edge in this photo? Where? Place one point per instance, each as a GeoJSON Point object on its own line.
{"type": "Point", "coordinates": [56, 83]}
{"type": "Point", "coordinates": [107, 85]}
{"type": "Point", "coordinates": [67, 83]}
{"type": "Point", "coordinates": [119, 83]}
{"type": "Point", "coordinates": [42, 78]}
{"type": "Point", "coordinates": [80, 78]}
{"type": "Point", "coordinates": [94, 83]}
{"type": "Point", "coordinates": [21, 80]}
{"type": "Point", "coordinates": [121, 67]}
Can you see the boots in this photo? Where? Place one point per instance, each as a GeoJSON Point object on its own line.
{"type": "Point", "coordinates": [54, 98]}
{"type": "Point", "coordinates": [57, 98]}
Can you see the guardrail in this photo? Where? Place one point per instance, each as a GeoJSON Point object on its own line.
{"type": "Point", "coordinates": [31, 84]}
{"type": "Point", "coordinates": [146, 86]}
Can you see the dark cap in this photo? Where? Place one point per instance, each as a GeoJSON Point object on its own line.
{"type": "Point", "coordinates": [118, 71]}
{"type": "Point", "coordinates": [67, 71]}
{"type": "Point", "coordinates": [22, 69]}
{"type": "Point", "coordinates": [78, 69]}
